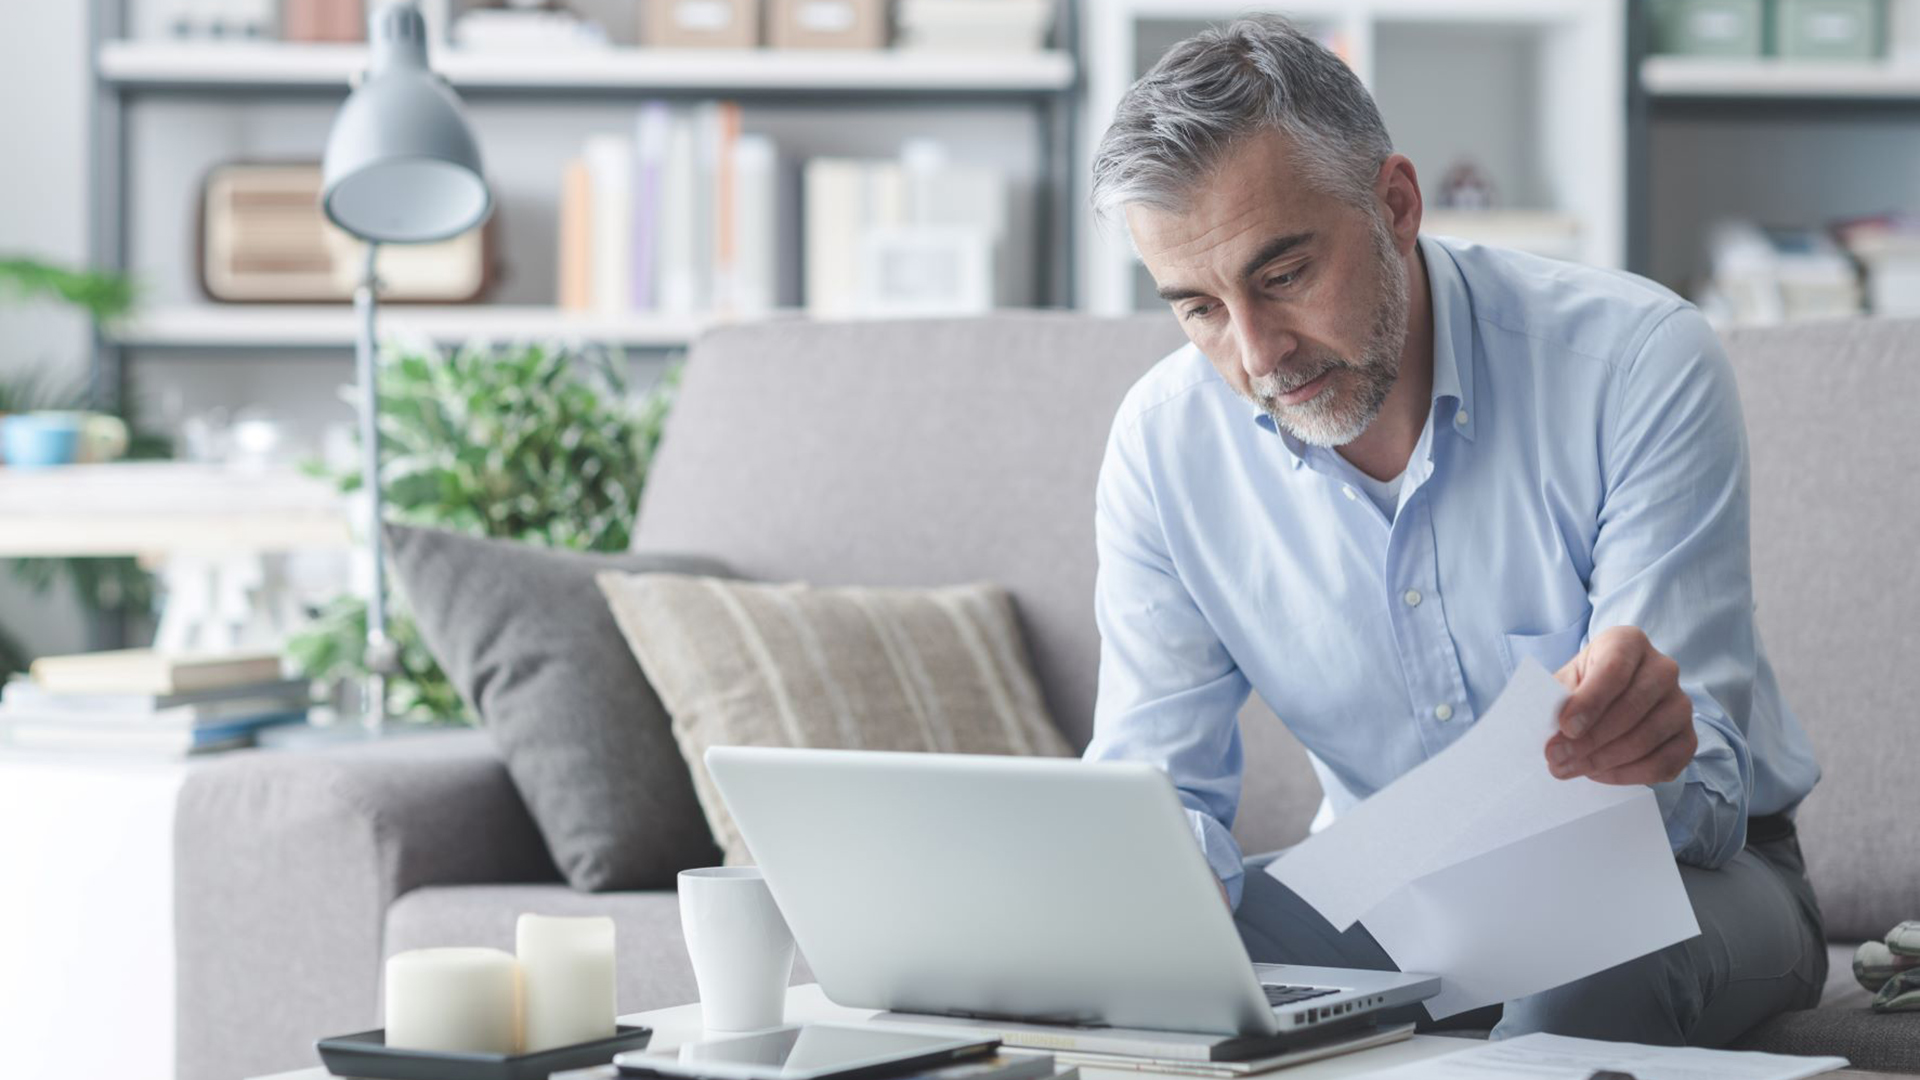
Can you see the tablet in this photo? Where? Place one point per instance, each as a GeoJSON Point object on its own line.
{"type": "Point", "coordinates": [806, 1052]}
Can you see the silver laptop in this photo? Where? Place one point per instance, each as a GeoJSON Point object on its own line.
{"type": "Point", "coordinates": [1029, 889]}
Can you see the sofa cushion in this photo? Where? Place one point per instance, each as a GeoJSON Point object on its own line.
{"type": "Point", "coordinates": [747, 664]}
{"type": "Point", "coordinates": [526, 638]}
{"type": "Point", "coordinates": [1868, 1040]}
{"type": "Point", "coordinates": [1829, 416]}
{"type": "Point", "coordinates": [652, 970]}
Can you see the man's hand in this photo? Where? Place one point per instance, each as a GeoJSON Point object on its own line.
{"type": "Point", "coordinates": [1626, 720]}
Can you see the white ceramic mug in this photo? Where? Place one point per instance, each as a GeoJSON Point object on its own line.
{"type": "Point", "coordinates": [741, 948]}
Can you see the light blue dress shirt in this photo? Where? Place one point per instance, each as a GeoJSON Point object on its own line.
{"type": "Point", "coordinates": [1583, 465]}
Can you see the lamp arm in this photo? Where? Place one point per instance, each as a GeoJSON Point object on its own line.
{"type": "Point", "coordinates": [381, 656]}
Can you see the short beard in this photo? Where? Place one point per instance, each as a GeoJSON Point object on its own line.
{"type": "Point", "coordinates": [1338, 415]}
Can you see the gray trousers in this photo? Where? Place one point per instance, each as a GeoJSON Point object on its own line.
{"type": "Point", "coordinates": [1761, 951]}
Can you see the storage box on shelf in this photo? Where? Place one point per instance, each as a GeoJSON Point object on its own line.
{"type": "Point", "coordinates": [827, 24]}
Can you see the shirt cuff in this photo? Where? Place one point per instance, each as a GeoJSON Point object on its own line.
{"type": "Point", "coordinates": [1222, 852]}
{"type": "Point", "coordinates": [1705, 807]}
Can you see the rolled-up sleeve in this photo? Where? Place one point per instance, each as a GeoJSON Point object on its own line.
{"type": "Point", "coordinates": [1671, 558]}
{"type": "Point", "coordinates": [1169, 693]}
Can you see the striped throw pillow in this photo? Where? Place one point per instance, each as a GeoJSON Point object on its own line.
{"type": "Point", "coordinates": [748, 664]}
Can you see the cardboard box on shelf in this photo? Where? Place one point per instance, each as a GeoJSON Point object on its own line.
{"type": "Point", "coordinates": [711, 24]}
{"type": "Point", "coordinates": [827, 24]}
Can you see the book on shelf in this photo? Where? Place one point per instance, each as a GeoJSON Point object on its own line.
{"type": "Point", "coordinates": [610, 169]}
{"type": "Point", "coordinates": [133, 738]}
{"type": "Point", "coordinates": [652, 131]}
{"type": "Point", "coordinates": [576, 237]}
{"type": "Point", "coordinates": [145, 671]}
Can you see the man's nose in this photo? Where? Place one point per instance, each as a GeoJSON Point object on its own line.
{"type": "Point", "coordinates": [1264, 344]}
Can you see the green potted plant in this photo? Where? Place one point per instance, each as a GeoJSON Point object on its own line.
{"type": "Point", "coordinates": [529, 442]}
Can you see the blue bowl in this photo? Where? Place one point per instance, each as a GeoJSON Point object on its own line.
{"type": "Point", "coordinates": [39, 440]}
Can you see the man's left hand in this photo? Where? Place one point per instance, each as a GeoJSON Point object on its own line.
{"type": "Point", "coordinates": [1626, 720]}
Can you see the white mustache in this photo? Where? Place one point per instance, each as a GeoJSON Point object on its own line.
{"type": "Point", "coordinates": [1275, 384]}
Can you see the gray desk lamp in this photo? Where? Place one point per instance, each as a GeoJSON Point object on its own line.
{"type": "Point", "coordinates": [401, 168]}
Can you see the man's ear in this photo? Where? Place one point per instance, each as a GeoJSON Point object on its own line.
{"type": "Point", "coordinates": [1397, 187]}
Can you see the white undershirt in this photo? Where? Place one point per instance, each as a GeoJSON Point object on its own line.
{"type": "Point", "coordinates": [1384, 493]}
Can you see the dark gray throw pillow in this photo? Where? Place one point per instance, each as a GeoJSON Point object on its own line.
{"type": "Point", "coordinates": [526, 637]}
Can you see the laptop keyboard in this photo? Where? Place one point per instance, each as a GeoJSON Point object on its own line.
{"type": "Point", "coordinates": [1287, 995]}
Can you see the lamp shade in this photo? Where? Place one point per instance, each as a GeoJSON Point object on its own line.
{"type": "Point", "coordinates": [401, 164]}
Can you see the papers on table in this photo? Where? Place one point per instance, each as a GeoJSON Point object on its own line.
{"type": "Point", "coordinates": [1557, 1057]}
{"type": "Point", "coordinates": [1480, 867]}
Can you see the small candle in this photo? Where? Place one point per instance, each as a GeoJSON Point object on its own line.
{"type": "Point", "coordinates": [454, 1000]}
{"type": "Point", "coordinates": [566, 973]}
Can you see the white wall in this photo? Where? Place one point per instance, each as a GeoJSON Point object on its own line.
{"type": "Point", "coordinates": [43, 212]}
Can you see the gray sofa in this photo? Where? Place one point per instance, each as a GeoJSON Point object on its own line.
{"type": "Point", "coordinates": [936, 452]}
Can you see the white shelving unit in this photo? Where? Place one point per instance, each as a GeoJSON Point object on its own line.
{"type": "Point", "coordinates": [328, 326]}
{"type": "Point", "coordinates": [1532, 89]}
{"type": "Point", "coordinates": [165, 64]}
{"type": "Point", "coordinates": [1714, 77]}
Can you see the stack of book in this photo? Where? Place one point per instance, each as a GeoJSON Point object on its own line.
{"type": "Point", "coordinates": [136, 701]}
{"type": "Point", "coordinates": [1888, 251]}
{"type": "Point", "coordinates": [682, 217]}
{"type": "Point", "coordinates": [974, 25]}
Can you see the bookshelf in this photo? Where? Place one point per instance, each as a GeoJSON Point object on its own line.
{"type": "Point", "coordinates": [163, 111]}
{"type": "Point", "coordinates": [1783, 142]}
{"type": "Point", "coordinates": [1528, 90]}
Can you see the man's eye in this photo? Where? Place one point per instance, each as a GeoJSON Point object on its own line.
{"type": "Point", "coordinates": [1281, 281]}
{"type": "Point", "coordinates": [1198, 311]}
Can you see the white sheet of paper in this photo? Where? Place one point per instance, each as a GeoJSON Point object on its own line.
{"type": "Point", "coordinates": [1521, 919]}
{"type": "Point", "coordinates": [1473, 862]}
{"type": "Point", "coordinates": [1558, 1057]}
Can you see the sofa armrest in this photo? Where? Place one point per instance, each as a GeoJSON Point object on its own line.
{"type": "Point", "coordinates": [284, 865]}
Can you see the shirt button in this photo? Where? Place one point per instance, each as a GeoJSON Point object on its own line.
{"type": "Point", "coordinates": [1347, 490]}
{"type": "Point", "coordinates": [1412, 597]}
{"type": "Point", "coordinates": [1443, 712]}
{"type": "Point", "coordinates": [1460, 418]}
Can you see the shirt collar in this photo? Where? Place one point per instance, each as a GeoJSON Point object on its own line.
{"type": "Point", "coordinates": [1452, 312]}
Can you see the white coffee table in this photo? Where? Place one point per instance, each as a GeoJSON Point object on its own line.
{"type": "Point", "coordinates": [681, 1023]}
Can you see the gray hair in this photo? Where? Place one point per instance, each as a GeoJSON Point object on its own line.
{"type": "Point", "coordinates": [1256, 73]}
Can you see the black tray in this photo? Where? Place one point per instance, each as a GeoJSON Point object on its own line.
{"type": "Point", "coordinates": [367, 1055]}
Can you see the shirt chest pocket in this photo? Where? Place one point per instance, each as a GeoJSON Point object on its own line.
{"type": "Point", "coordinates": [1551, 650]}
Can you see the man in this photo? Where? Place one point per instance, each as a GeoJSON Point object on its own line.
{"type": "Point", "coordinates": [1390, 467]}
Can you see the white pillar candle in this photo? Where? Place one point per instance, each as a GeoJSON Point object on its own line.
{"type": "Point", "coordinates": [456, 1000]}
{"type": "Point", "coordinates": [566, 972]}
